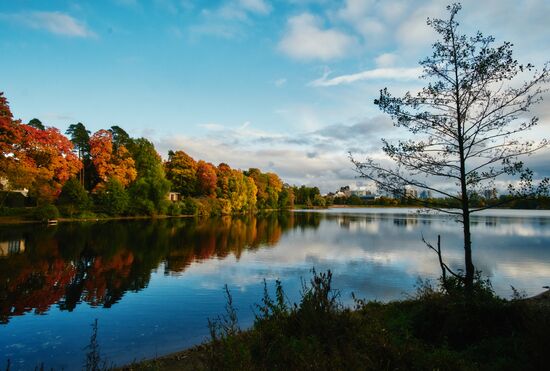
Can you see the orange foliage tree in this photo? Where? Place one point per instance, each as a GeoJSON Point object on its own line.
{"type": "Point", "coordinates": [39, 159]}
{"type": "Point", "coordinates": [13, 165]}
{"type": "Point", "coordinates": [53, 160]}
{"type": "Point", "coordinates": [109, 163]}
{"type": "Point", "coordinates": [206, 179]}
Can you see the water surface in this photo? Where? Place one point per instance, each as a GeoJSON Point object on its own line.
{"type": "Point", "coordinates": [153, 284]}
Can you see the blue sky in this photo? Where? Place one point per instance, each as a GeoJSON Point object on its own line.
{"type": "Point", "coordinates": [286, 86]}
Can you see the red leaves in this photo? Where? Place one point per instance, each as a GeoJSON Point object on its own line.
{"type": "Point", "coordinates": [41, 160]}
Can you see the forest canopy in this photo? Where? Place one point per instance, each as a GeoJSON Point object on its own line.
{"type": "Point", "coordinates": [109, 172]}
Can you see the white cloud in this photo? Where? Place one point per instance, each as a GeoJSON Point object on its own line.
{"type": "Point", "coordinates": [377, 73]}
{"type": "Point", "coordinates": [414, 31]}
{"type": "Point", "coordinates": [256, 6]}
{"type": "Point", "coordinates": [280, 82]}
{"type": "Point", "coordinates": [385, 60]}
{"type": "Point", "coordinates": [355, 9]}
{"type": "Point", "coordinates": [306, 39]}
{"type": "Point", "coordinates": [363, 16]}
{"type": "Point", "coordinates": [54, 22]}
{"type": "Point", "coordinates": [229, 19]}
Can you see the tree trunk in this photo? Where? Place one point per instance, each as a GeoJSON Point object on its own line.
{"type": "Point", "coordinates": [469, 265]}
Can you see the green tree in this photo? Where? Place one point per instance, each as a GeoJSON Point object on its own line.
{"type": "Point", "coordinates": [73, 198]}
{"type": "Point", "coordinates": [319, 200]}
{"type": "Point", "coordinates": [149, 191]}
{"type": "Point", "coordinates": [148, 195]}
{"type": "Point", "coordinates": [112, 199]}
{"type": "Point", "coordinates": [286, 197]}
{"type": "Point", "coordinates": [80, 137]}
{"type": "Point", "coordinates": [181, 171]}
{"type": "Point", "coordinates": [120, 137]}
{"type": "Point", "coordinates": [465, 124]}
{"type": "Point", "coordinates": [37, 124]}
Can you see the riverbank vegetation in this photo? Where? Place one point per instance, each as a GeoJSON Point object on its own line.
{"type": "Point", "coordinates": [109, 173]}
{"type": "Point", "coordinates": [540, 202]}
{"type": "Point", "coordinates": [431, 330]}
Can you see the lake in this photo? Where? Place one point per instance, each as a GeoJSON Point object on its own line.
{"type": "Point", "coordinates": [152, 284]}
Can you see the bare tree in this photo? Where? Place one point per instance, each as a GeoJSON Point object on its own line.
{"type": "Point", "coordinates": [465, 123]}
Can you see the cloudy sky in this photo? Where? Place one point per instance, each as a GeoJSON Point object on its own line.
{"type": "Point", "coordinates": [286, 86]}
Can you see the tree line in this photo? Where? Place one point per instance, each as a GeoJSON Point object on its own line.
{"type": "Point", "coordinates": [109, 172]}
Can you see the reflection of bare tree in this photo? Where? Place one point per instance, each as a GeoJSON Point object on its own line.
{"type": "Point", "coordinates": [99, 262]}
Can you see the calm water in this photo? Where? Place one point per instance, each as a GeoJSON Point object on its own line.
{"type": "Point", "coordinates": [153, 284]}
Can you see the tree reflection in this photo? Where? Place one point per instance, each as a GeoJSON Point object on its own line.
{"type": "Point", "coordinates": [98, 263]}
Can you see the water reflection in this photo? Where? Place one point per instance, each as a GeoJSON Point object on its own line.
{"type": "Point", "coordinates": [99, 262]}
{"type": "Point", "coordinates": [152, 284]}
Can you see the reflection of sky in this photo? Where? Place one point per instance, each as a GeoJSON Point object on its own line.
{"type": "Point", "coordinates": [375, 255]}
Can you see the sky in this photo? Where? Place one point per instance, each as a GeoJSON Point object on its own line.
{"type": "Point", "coordinates": [286, 86]}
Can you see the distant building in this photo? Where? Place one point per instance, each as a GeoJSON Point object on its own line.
{"type": "Point", "coordinates": [5, 186]}
{"type": "Point", "coordinates": [410, 192]}
{"type": "Point", "coordinates": [345, 191]}
{"type": "Point", "coordinates": [362, 192]}
{"type": "Point", "coordinates": [425, 194]}
{"type": "Point", "coordinates": [174, 196]}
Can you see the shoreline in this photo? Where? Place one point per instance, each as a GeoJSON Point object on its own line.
{"type": "Point", "coordinates": [20, 220]}
{"type": "Point", "coordinates": [15, 220]}
{"type": "Point", "coordinates": [195, 357]}
{"type": "Point", "coordinates": [11, 220]}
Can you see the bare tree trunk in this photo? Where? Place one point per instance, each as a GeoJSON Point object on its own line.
{"type": "Point", "coordinates": [469, 265]}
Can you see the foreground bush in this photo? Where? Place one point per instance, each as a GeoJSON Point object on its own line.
{"type": "Point", "coordinates": [430, 331]}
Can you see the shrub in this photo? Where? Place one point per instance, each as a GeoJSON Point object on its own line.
{"type": "Point", "coordinates": [174, 209]}
{"type": "Point", "coordinates": [46, 212]}
{"type": "Point", "coordinates": [73, 198]}
{"type": "Point", "coordinates": [189, 206]}
{"type": "Point", "coordinates": [112, 199]}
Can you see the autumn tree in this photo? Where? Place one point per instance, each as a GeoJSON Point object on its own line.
{"type": "Point", "coordinates": [274, 187]}
{"type": "Point", "coordinates": [206, 179]}
{"type": "Point", "coordinates": [241, 192]}
{"type": "Point", "coordinates": [52, 158]}
{"type": "Point", "coordinates": [465, 127]}
{"type": "Point", "coordinates": [261, 181]}
{"type": "Point", "coordinates": [34, 157]}
{"type": "Point", "coordinates": [181, 171]}
{"type": "Point", "coordinates": [15, 168]}
{"type": "Point", "coordinates": [111, 163]}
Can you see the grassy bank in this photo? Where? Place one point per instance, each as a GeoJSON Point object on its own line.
{"type": "Point", "coordinates": [430, 331]}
